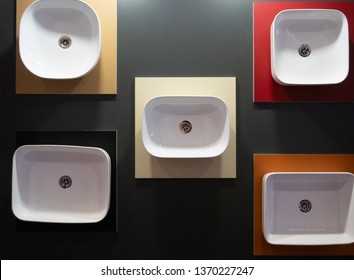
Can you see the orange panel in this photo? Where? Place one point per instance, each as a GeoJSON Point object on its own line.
{"type": "Point", "coordinates": [265, 163]}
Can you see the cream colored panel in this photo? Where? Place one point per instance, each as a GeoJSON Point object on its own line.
{"type": "Point", "coordinates": [147, 166]}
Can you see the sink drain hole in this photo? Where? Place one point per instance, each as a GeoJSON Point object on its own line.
{"type": "Point", "coordinates": [305, 205]}
{"type": "Point", "coordinates": [304, 50]}
{"type": "Point", "coordinates": [65, 182]}
{"type": "Point", "coordinates": [185, 127]}
{"type": "Point", "coordinates": [64, 42]}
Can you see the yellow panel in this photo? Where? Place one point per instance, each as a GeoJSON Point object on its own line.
{"type": "Point", "coordinates": [101, 80]}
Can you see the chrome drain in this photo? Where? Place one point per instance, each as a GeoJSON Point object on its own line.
{"type": "Point", "coordinates": [305, 205]}
{"type": "Point", "coordinates": [185, 127]}
{"type": "Point", "coordinates": [65, 182]}
{"type": "Point", "coordinates": [65, 42]}
{"type": "Point", "coordinates": [304, 50]}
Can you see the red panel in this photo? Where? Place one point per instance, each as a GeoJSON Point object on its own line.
{"type": "Point", "coordinates": [265, 88]}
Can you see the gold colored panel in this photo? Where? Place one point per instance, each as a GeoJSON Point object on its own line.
{"type": "Point", "coordinates": [101, 80]}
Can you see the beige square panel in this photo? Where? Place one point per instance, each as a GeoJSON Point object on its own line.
{"type": "Point", "coordinates": [101, 80]}
{"type": "Point", "coordinates": [148, 166]}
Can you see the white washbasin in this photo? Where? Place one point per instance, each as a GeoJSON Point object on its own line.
{"type": "Point", "coordinates": [60, 184]}
{"type": "Point", "coordinates": [59, 39]}
{"type": "Point", "coordinates": [308, 208]}
{"type": "Point", "coordinates": [185, 126]}
{"type": "Point", "coordinates": [309, 47]}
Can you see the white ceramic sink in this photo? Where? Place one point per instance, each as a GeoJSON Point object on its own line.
{"type": "Point", "coordinates": [59, 39]}
{"type": "Point", "coordinates": [185, 126]}
{"type": "Point", "coordinates": [60, 184]}
{"type": "Point", "coordinates": [309, 47]}
{"type": "Point", "coordinates": [308, 208]}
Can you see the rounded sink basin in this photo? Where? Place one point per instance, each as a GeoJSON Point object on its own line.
{"type": "Point", "coordinates": [60, 184]}
{"type": "Point", "coordinates": [59, 39]}
{"type": "Point", "coordinates": [185, 126]}
{"type": "Point", "coordinates": [309, 47]}
{"type": "Point", "coordinates": [308, 208]}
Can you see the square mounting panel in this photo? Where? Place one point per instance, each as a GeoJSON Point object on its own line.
{"type": "Point", "coordinates": [148, 166]}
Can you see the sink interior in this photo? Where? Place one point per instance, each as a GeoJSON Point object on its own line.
{"type": "Point", "coordinates": [309, 47]}
{"type": "Point", "coordinates": [59, 39]}
{"type": "Point", "coordinates": [60, 184]}
{"type": "Point", "coordinates": [185, 126]}
{"type": "Point", "coordinates": [308, 208]}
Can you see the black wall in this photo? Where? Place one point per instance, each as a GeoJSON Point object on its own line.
{"type": "Point", "coordinates": [163, 219]}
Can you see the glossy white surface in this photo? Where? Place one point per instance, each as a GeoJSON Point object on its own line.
{"type": "Point", "coordinates": [38, 196]}
{"type": "Point", "coordinates": [43, 23]}
{"type": "Point", "coordinates": [330, 219]}
{"type": "Point", "coordinates": [162, 117]}
{"type": "Point", "coordinates": [325, 31]}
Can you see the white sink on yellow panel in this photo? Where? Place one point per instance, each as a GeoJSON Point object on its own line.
{"type": "Point", "coordinates": [59, 39]}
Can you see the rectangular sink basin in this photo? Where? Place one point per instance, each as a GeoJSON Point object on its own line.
{"type": "Point", "coordinates": [185, 126]}
{"type": "Point", "coordinates": [60, 184]}
{"type": "Point", "coordinates": [309, 47]}
{"type": "Point", "coordinates": [308, 208]}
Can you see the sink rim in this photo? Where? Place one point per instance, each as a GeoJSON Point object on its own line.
{"type": "Point", "coordinates": [287, 82]}
{"type": "Point", "coordinates": [79, 6]}
{"type": "Point", "coordinates": [17, 204]}
{"type": "Point", "coordinates": [309, 239]}
{"type": "Point", "coordinates": [211, 154]}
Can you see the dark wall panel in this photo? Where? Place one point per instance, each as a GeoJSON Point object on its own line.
{"type": "Point", "coordinates": [164, 219]}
